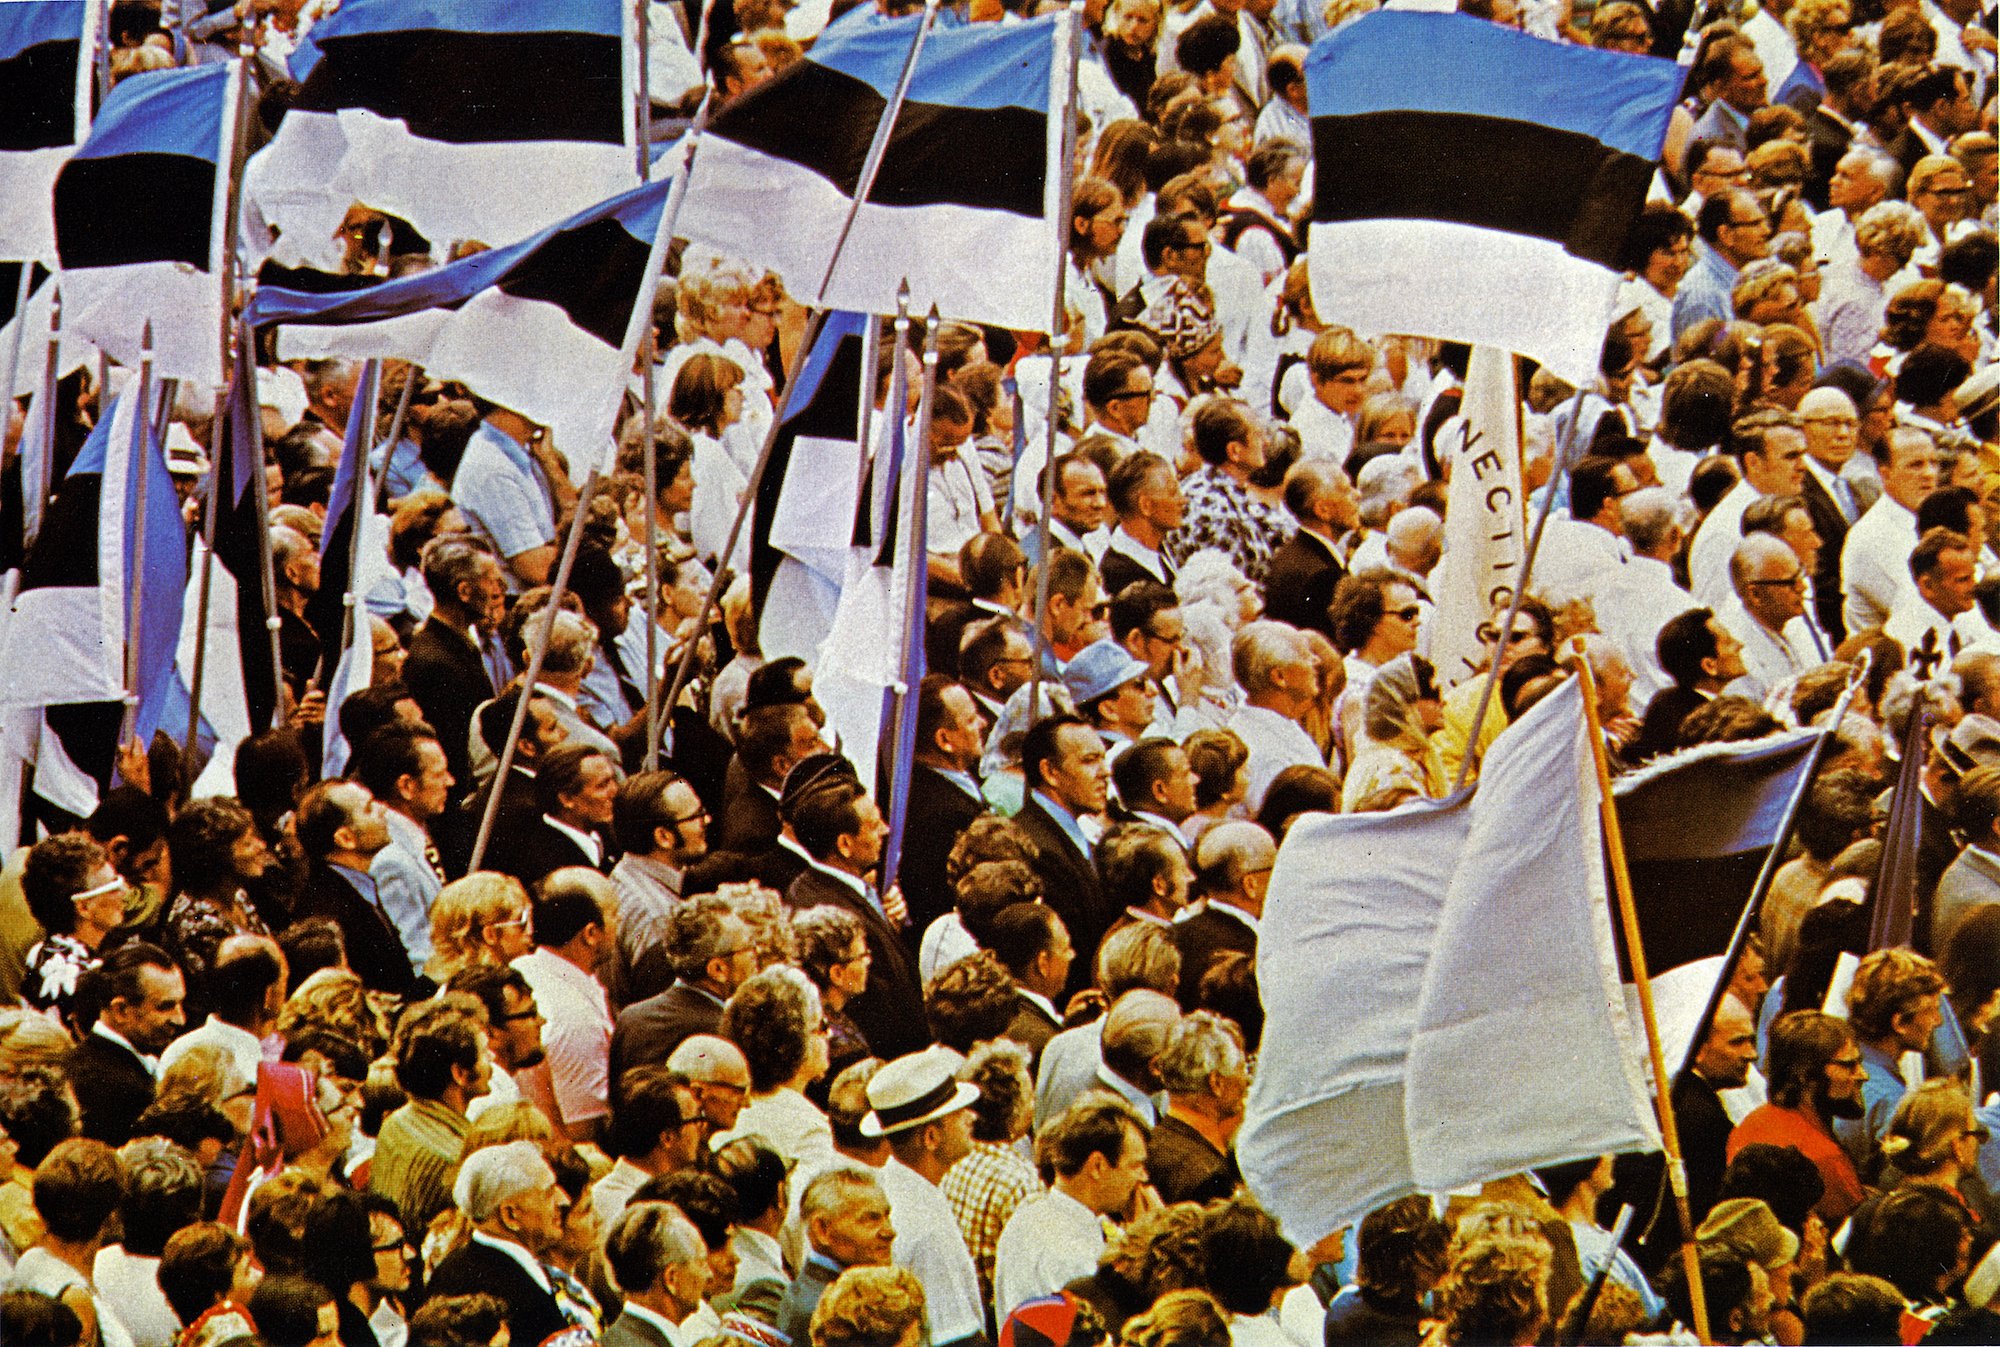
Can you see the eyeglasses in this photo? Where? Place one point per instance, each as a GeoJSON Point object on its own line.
{"type": "Point", "coordinates": [1147, 394]}
{"type": "Point", "coordinates": [531, 1012]}
{"type": "Point", "coordinates": [1488, 634]}
{"type": "Point", "coordinates": [689, 818]}
{"type": "Point", "coordinates": [1797, 580]}
{"type": "Point", "coordinates": [397, 1246]}
{"type": "Point", "coordinates": [1409, 614]}
{"type": "Point", "coordinates": [110, 886]}
{"type": "Point", "coordinates": [1759, 223]}
{"type": "Point", "coordinates": [1844, 422]}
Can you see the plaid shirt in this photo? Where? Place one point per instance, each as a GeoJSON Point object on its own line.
{"type": "Point", "coordinates": [1222, 514]}
{"type": "Point", "coordinates": [983, 1189]}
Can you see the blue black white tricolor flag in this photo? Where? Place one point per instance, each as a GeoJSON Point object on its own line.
{"type": "Point", "coordinates": [45, 83]}
{"type": "Point", "coordinates": [1475, 183]}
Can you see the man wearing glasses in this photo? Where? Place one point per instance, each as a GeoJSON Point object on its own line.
{"type": "Point", "coordinates": [662, 826]}
{"type": "Point", "coordinates": [1118, 394]}
{"type": "Point", "coordinates": [1815, 1071]}
{"type": "Point", "coordinates": [1770, 592]}
{"type": "Point", "coordinates": [1731, 232]}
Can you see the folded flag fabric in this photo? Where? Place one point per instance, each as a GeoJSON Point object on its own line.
{"type": "Point", "coordinates": [1475, 183]}
{"type": "Point", "coordinates": [471, 119]}
{"type": "Point", "coordinates": [139, 217]}
{"type": "Point", "coordinates": [1441, 993]}
{"type": "Point", "coordinates": [964, 205]}
{"type": "Point", "coordinates": [538, 327]}
{"type": "Point", "coordinates": [45, 87]}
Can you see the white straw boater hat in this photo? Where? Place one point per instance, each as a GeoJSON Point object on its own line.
{"type": "Point", "coordinates": [916, 1089]}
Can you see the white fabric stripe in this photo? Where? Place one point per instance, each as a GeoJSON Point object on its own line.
{"type": "Point", "coordinates": [1435, 278]}
{"type": "Point", "coordinates": [520, 353]}
{"type": "Point", "coordinates": [225, 705]}
{"type": "Point", "coordinates": [75, 352]}
{"type": "Point", "coordinates": [58, 651]}
{"type": "Point", "coordinates": [984, 266]}
{"type": "Point", "coordinates": [27, 196]}
{"type": "Point", "coordinates": [110, 306]}
{"type": "Point", "coordinates": [320, 163]}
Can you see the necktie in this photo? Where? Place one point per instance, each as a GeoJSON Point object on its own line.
{"type": "Point", "coordinates": [1843, 496]}
{"type": "Point", "coordinates": [629, 690]}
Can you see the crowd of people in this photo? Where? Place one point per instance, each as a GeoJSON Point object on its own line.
{"type": "Point", "coordinates": [667, 1054]}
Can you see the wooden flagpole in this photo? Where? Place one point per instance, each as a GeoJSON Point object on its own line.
{"type": "Point", "coordinates": [1628, 916]}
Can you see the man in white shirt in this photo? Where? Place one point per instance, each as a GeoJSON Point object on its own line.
{"type": "Point", "coordinates": [1586, 550]}
{"type": "Point", "coordinates": [1257, 221]}
{"type": "Point", "coordinates": [1862, 177]}
{"type": "Point", "coordinates": [1945, 568]}
{"type": "Point", "coordinates": [1771, 449]}
{"type": "Point", "coordinates": [1274, 666]}
{"type": "Point", "coordinates": [1641, 597]}
{"type": "Point", "coordinates": [1098, 1151]}
{"type": "Point", "coordinates": [1338, 363]}
{"type": "Point", "coordinates": [657, 1128]}
{"type": "Point", "coordinates": [1077, 509]}
{"type": "Point", "coordinates": [1874, 563]}
{"type": "Point", "coordinates": [917, 1103]}
{"type": "Point", "coordinates": [1770, 591]}
{"type": "Point", "coordinates": [576, 925]}
{"type": "Point", "coordinates": [247, 988]}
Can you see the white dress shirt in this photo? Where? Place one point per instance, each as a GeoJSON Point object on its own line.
{"type": "Point", "coordinates": [1875, 563]}
{"type": "Point", "coordinates": [1715, 543]}
{"type": "Point", "coordinates": [930, 1244]}
{"type": "Point", "coordinates": [1631, 609]}
{"type": "Point", "coordinates": [576, 1032]}
{"type": "Point", "coordinates": [1275, 742]}
{"type": "Point", "coordinates": [1769, 658]}
{"type": "Point", "coordinates": [1048, 1242]}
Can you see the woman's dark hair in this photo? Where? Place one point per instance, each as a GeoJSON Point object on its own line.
{"type": "Point", "coordinates": [1248, 1259]}
{"type": "Point", "coordinates": [37, 1111]}
{"type": "Point", "coordinates": [31, 1319]}
{"type": "Point", "coordinates": [286, 1309]}
{"type": "Point", "coordinates": [1403, 1250]}
{"type": "Point", "coordinates": [701, 390]}
{"type": "Point", "coordinates": [199, 1267]}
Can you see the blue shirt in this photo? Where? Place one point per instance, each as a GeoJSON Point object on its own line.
{"type": "Point", "coordinates": [1704, 293]}
{"type": "Point", "coordinates": [502, 494]}
{"type": "Point", "coordinates": [403, 471]}
{"type": "Point", "coordinates": [1881, 1090]}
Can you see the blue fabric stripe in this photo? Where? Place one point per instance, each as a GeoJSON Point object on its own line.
{"type": "Point", "coordinates": [980, 65]}
{"type": "Point", "coordinates": [601, 17]}
{"type": "Point", "coordinates": [636, 211]}
{"type": "Point", "coordinates": [30, 23]}
{"type": "Point", "coordinates": [162, 112]}
{"type": "Point", "coordinates": [163, 585]}
{"type": "Point", "coordinates": [1402, 61]}
{"type": "Point", "coordinates": [839, 324]}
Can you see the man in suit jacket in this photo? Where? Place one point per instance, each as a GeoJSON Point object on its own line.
{"type": "Point", "coordinates": [995, 572]}
{"type": "Point", "coordinates": [509, 1194]}
{"type": "Point", "coordinates": [1832, 434]}
{"type": "Point", "coordinates": [457, 830]}
{"type": "Point", "coordinates": [772, 740]}
{"type": "Point", "coordinates": [842, 832]}
{"type": "Point", "coordinates": [1146, 496]}
{"type": "Point", "coordinates": [574, 789]}
{"type": "Point", "coordinates": [1207, 1077]}
{"type": "Point", "coordinates": [1064, 761]}
{"type": "Point", "coordinates": [1034, 948]}
{"type": "Point", "coordinates": [662, 1264]}
{"type": "Point", "coordinates": [447, 670]}
{"type": "Point", "coordinates": [944, 794]}
{"type": "Point", "coordinates": [1233, 868]}
{"type": "Point", "coordinates": [341, 828]}
{"type": "Point", "coordinates": [1307, 566]}
{"type": "Point", "coordinates": [846, 1219]}
{"type": "Point", "coordinates": [711, 953]}
{"type": "Point", "coordinates": [1735, 74]}
{"type": "Point", "coordinates": [1702, 657]}
{"type": "Point", "coordinates": [112, 1069]}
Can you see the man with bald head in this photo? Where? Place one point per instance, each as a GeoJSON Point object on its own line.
{"type": "Point", "coordinates": [1232, 864]}
{"type": "Point", "coordinates": [1833, 432]}
{"type": "Point", "coordinates": [720, 1077]}
{"type": "Point", "coordinates": [1770, 590]}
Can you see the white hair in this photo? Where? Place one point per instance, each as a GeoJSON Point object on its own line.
{"type": "Point", "coordinates": [496, 1174]}
{"type": "Point", "coordinates": [1209, 576]}
{"type": "Point", "coordinates": [1202, 1044]}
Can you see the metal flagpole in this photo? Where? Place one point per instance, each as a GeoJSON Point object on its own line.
{"type": "Point", "coordinates": [869, 168]}
{"type": "Point", "coordinates": [370, 386]}
{"type": "Point", "coordinates": [914, 542]}
{"type": "Point", "coordinates": [51, 360]}
{"type": "Point", "coordinates": [1628, 915]}
{"type": "Point", "coordinates": [648, 394]}
{"type": "Point", "coordinates": [8, 377]}
{"type": "Point", "coordinates": [639, 323]}
{"type": "Point", "coordinates": [412, 374]}
{"type": "Point", "coordinates": [1058, 334]}
{"type": "Point", "coordinates": [138, 460]}
{"type": "Point", "coordinates": [1521, 586]}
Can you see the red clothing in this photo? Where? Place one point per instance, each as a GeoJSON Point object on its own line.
{"type": "Point", "coordinates": [1775, 1126]}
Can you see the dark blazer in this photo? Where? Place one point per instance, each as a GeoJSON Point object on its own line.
{"type": "Point", "coordinates": [938, 813]}
{"type": "Point", "coordinates": [536, 849]}
{"type": "Point", "coordinates": [1203, 938]}
{"type": "Point", "coordinates": [1069, 885]}
{"type": "Point", "coordinates": [448, 680]}
{"type": "Point", "coordinates": [457, 829]}
{"type": "Point", "coordinates": [1300, 583]}
{"type": "Point", "coordinates": [1704, 1129]}
{"type": "Point", "coordinates": [1832, 526]}
{"type": "Point", "coordinates": [374, 951]}
{"type": "Point", "coordinates": [1118, 570]}
{"type": "Point", "coordinates": [1827, 142]}
{"type": "Point", "coordinates": [112, 1088]}
{"type": "Point", "coordinates": [890, 1013]}
{"type": "Point", "coordinates": [795, 1312]}
{"type": "Point", "coordinates": [749, 820]}
{"type": "Point", "coordinates": [472, 1268]}
{"type": "Point", "coordinates": [1660, 727]}
{"type": "Point", "coordinates": [1183, 1167]}
{"type": "Point", "coordinates": [1032, 1028]}
{"type": "Point", "coordinates": [648, 1030]}
{"type": "Point", "coordinates": [631, 1331]}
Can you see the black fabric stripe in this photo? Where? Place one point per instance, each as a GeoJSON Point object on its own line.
{"type": "Point", "coordinates": [1687, 908]}
{"type": "Point", "coordinates": [89, 734]}
{"type": "Point", "coordinates": [592, 274]}
{"type": "Point", "coordinates": [134, 208]}
{"type": "Point", "coordinates": [311, 280]}
{"type": "Point", "coordinates": [65, 552]}
{"type": "Point", "coordinates": [477, 88]}
{"type": "Point", "coordinates": [833, 414]}
{"type": "Point", "coordinates": [822, 120]}
{"type": "Point", "coordinates": [1517, 177]}
{"type": "Point", "coordinates": [38, 97]}
{"type": "Point", "coordinates": [10, 287]}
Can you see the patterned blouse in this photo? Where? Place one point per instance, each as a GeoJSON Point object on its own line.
{"type": "Point", "coordinates": [1222, 514]}
{"type": "Point", "coordinates": [196, 928]}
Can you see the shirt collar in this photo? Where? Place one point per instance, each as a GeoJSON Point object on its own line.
{"type": "Point", "coordinates": [363, 882]}
{"type": "Point", "coordinates": [592, 845]}
{"type": "Point", "coordinates": [1227, 910]}
{"type": "Point", "coordinates": [659, 1321]}
{"type": "Point", "coordinates": [1125, 544]}
{"type": "Point", "coordinates": [529, 1263]}
{"type": "Point", "coordinates": [963, 780]}
{"type": "Point", "coordinates": [855, 882]}
{"type": "Point", "coordinates": [556, 695]}
{"type": "Point", "coordinates": [1065, 820]}
{"type": "Point", "coordinates": [1042, 1001]}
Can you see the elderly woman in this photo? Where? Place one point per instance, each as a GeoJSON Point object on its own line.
{"type": "Point", "coordinates": [775, 1019]}
{"type": "Point", "coordinates": [1934, 1141]}
{"type": "Point", "coordinates": [833, 950]}
{"type": "Point", "coordinates": [1401, 709]}
{"type": "Point", "coordinates": [481, 919]}
{"type": "Point", "coordinates": [73, 892]}
{"type": "Point", "coordinates": [78, 1187]}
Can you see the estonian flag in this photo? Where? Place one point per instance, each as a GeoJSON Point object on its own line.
{"type": "Point", "coordinates": [65, 642]}
{"type": "Point", "coordinates": [45, 86]}
{"type": "Point", "coordinates": [346, 646]}
{"type": "Point", "coordinates": [1476, 184]}
{"type": "Point", "coordinates": [965, 204]}
{"type": "Point", "coordinates": [538, 327]}
{"type": "Point", "coordinates": [239, 694]}
{"type": "Point", "coordinates": [471, 119]}
{"type": "Point", "coordinates": [140, 213]}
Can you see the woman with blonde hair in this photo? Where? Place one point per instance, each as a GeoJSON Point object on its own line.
{"type": "Point", "coordinates": [1934, 1142]}
{"type": "Point", "coordinates": [483, 918]}
{"type": "Point", "coordinates": [1187, 1318]}
{"type": "Point", "coordinates": [335, 1000]}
